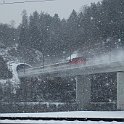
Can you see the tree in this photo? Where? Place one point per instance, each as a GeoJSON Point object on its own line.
{"type": "Point", "coordinates": [5, 73]}
{"type": "Point", "coordinates": [34, 33]}
{"type": "Point", "coordinates": [1, 92]}
{"type": "Point", "coordinates": [24, 34]}
{"type": "Point", "coordinates": [72, 25]}
{"type": "Point", "coordinates": [8, 35]}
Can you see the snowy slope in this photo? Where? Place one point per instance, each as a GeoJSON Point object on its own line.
{"type": "Point", "coordinates": [15, 80]}
{"type": "Point", "coordinates": [12, 62]}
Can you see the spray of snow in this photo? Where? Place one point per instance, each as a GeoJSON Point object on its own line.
{"type": "Point", "coordinates": [107, 58]}
{"type": "Point", "coordinates": [73, 55]}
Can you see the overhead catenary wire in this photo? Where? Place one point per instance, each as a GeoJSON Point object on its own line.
{"type": "Point", "coordinates": [26, 1]}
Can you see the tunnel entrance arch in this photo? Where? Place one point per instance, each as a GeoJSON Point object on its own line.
{"type": "Point", "coordinates": [22, 67]}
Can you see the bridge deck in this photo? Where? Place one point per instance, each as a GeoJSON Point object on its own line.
{"type": "Point", "coordinates": [110, 62]}
{"type": "Point", "coordinates": [72, 70]}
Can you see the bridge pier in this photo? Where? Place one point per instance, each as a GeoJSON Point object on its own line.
{"type": "Point", "coordinates": [83, 91]}
{"type": "Point", "coordinates": [120, 90]}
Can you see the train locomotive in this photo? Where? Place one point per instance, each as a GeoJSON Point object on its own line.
{"type": "Point", "coordinates": [77, 60]}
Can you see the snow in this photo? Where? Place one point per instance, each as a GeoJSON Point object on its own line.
{"type": "Point", "coordinates": [71, 114]}
{"type": "Point", "coordinates": [57, 122]}
{"type": "Point", "coordinates": [74, 114]}
{"type": "Point", "coordinates": [91, 18]}
{"type": "Point", "coordinates": [107, 58]}
{"type": "Point", "coordinates": [104, 58]}
{"type": "Point", "coordinates": [15, 78]}
{"type": "Point", "coordinates": [73, 55]}
{"type": "Point", "coordinates": [12, 63]}
{"type": "Point", "coordinates": [43, 103]}
{"type": "Point", "coordinates": [2, 81]}
{"type": "Point", "coordinates": [13, 68]}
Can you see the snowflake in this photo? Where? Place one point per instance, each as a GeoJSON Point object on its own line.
{"type": "Point", "coordinates": [107, 84]}
{"type": "Point", "coordinates": [119, 40]}
{"type": "Point", "coordinates": [110, 100]}
{"type": "Point", "coordinates": [91, 18]}
{"type": "Point", "coordinates": [64, 52]}
{"type": "Point", "coordinates": [79, 25]}
{"type": "Point", "coordinates": [72, 79]}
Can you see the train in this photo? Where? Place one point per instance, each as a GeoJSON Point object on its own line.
{"type": "Point", "coordinates": [73, 61]}
{"type": "Point", "coordinates": [77, 60]}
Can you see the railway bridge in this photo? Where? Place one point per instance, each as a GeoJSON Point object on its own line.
{"type": "Point", "coordinates": [111, 62]}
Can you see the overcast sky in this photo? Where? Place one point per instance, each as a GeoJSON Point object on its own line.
{"type": "Point", "coordinates": [62, 7]}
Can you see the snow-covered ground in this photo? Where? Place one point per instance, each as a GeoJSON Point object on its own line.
{"type": "Point", "coordinates": [12, 63]}
{"type": "Point", "coordinates": [12, 66]}
{"type": "Point", "coordinates": [57, 122]}
{"type": "Point", "coordinates": [71, 114]}
{"type": "Point", "coordinates": [74, 114]}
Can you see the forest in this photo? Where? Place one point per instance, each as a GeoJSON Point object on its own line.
{"type": "Point", "coordinates": [95, 25]}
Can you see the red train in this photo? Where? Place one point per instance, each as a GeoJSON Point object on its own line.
{"type": "Point", "coordinates": [78, 60]}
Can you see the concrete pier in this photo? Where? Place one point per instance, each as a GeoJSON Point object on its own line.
{"type": "Point", "coordinates": [83, 91]}
{"type": "Point", "coordinates": [120, 90]}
